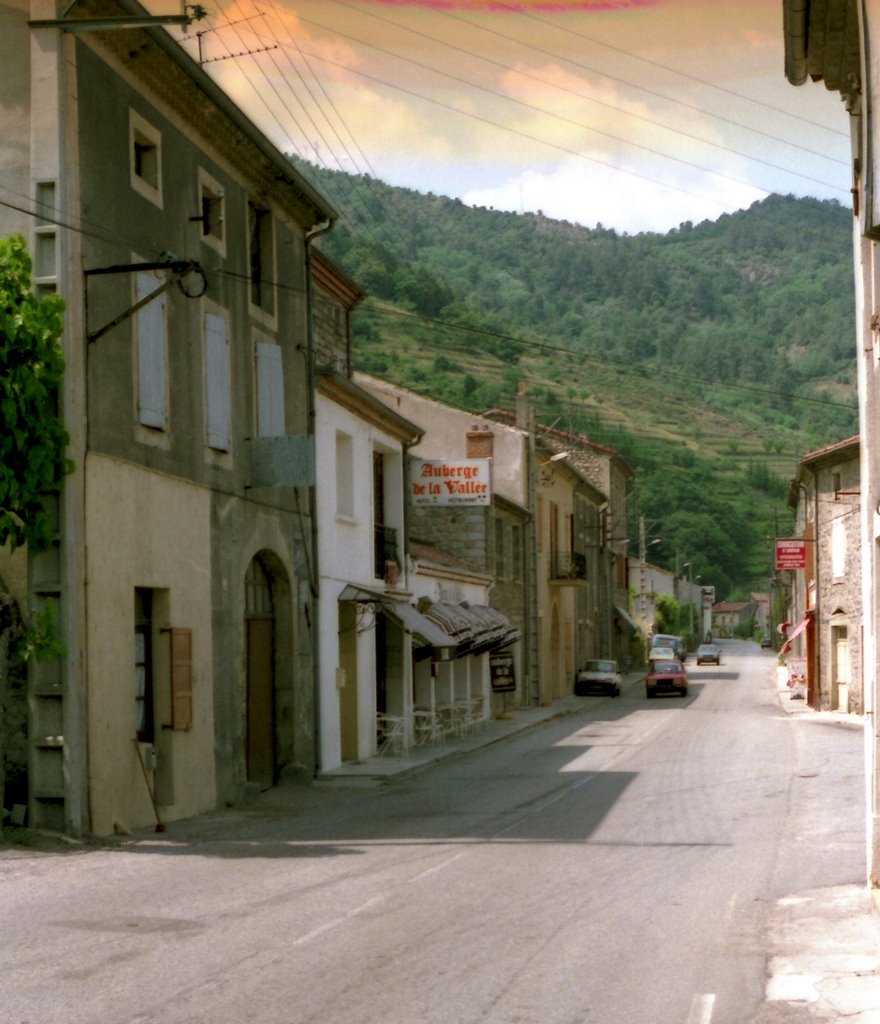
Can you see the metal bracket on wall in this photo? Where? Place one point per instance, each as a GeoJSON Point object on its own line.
{"type": "Point", "coordinates": [178, 268]}
{"type": "Point", "coordinates": [188, 14]}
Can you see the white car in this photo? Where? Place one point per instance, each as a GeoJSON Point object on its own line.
{"type": "Point", "coordinates": [598, 674]}
{"type": "Point", "coordinates": [662, 654]}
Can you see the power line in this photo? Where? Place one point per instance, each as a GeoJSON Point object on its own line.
{"type": "Point", "coordinates": [562, 118]}
{"type": "Point", "coordinates": [562, 350]}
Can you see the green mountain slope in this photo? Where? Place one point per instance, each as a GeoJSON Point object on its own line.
{"type": "Point", "coordinates": [712, 357]}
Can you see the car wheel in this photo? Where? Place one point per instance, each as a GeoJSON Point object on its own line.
{"type": "Point", "coordinates": [616, 692]}
{"type": "Point", "coordinates": [649, 694]}
{"type": "Point", "coordinates": [684, 691]}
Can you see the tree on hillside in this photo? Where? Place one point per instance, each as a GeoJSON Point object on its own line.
{"type": "Point", "coordinates": [32, 444]}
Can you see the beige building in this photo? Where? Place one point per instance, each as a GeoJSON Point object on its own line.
{"type": "Point", "coordinates": [826, 598]}
{"type": "Point", "coordinates": [178, 237]}
{"type": "Point", "coordinates": [835, 43]}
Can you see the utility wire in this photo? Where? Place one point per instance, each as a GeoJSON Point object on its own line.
{"type": "Point", "coordinates": [559, 117]}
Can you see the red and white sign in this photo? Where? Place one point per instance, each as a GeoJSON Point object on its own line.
{"type": "Point", "coordinates": [791, 554]}
{"type": "Point", "coordinates": [450, 482]}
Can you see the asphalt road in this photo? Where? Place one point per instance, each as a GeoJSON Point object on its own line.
{"type": "Point", "coordinates": [617, 866]}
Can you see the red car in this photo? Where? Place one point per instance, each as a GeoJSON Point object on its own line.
{"type": "Point", "coordinates": [666, 677]}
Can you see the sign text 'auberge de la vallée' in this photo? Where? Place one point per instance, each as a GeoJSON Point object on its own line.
{"type": "Point", "coordinates": [450, 482]}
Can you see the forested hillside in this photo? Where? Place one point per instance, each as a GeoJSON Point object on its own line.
{"type": "Point", "coordinates": [712, 357]}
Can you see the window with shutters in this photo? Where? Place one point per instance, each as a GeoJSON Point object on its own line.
{"type": "Point", "coordinates": [218, 410]}
{"type": "Point", "coordinates": [262, 258]}
{"type": "Point", "coordinates": [211, 216]}
{"type": "Point", "coordinates": [143, 665]}
{"type": "Point", "coordinates": [181, 679]}
{"type": "Point", "coordinates": [344, 475]}
{"type": "Point", "coordinates": [152, 354]}
{"type": "Point", "coordinates": [270, 390]}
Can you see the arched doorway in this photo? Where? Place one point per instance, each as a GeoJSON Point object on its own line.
{"type": "Point", "coordinates": [260, 751]}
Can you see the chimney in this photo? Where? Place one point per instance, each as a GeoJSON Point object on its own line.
{"type": "Point", "coordinates": [523, 409]}
{"type": "Point", "coordinates": [479, 442]}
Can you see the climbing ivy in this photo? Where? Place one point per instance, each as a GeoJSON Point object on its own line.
{"type": "Point", "coordinates": [32, 434]}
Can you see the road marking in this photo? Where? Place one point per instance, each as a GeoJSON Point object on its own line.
{"type": "Point", "coordinates": [701, 1009]}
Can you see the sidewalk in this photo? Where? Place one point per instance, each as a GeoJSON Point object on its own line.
{"type": "Point", "coordinates": [823, 946]}
{"type": "Point", "coordinates": [490, 730]}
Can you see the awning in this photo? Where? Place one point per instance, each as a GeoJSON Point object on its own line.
{"type": "Point", "coordinates": [425, 632]}
{"type": "Point", "coordinates": [798, 629]}
{"type": "Point", "coordinates": [476, 628]}
{"type": "Point", "coordinates": [627, 618]}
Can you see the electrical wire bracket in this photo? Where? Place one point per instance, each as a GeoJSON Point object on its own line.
{"type": "Point", "coordinates": [179, 269]}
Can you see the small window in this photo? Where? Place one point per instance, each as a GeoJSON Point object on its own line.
{"type": "Point", "coordinates": [145, 149]}
{"type": "Point", "coordinates": [500, 567]}
{"type": "Point", "coordinates": [516, 552]}
{"type": "Point", "coordinates": [344, 476]}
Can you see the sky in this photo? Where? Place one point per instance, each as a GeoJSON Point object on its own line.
{"type": "Point", "coordinates": [634, 114]}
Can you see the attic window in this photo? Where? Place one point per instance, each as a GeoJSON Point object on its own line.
{"type": "Point", "coordinates": [145, 152]}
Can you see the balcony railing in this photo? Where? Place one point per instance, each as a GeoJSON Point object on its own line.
{"type": "Point", "coordinates": [568, 566]}
{"type": "Point", "coordinates": [385, 553]}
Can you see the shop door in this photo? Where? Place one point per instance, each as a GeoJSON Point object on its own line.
{"type": "Point", "coordinates": [260, 660]}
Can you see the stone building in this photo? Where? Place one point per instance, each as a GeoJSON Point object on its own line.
{"type": "Point", "coordinates": [825, 627]}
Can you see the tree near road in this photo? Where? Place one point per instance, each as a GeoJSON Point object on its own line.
{"type": "Point", "coordinates": [32, 456]}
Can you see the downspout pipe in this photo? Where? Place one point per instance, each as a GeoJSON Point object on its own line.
{"type": "Point", "coordinates": [314, 575]}
{"type": "Point", "coordinates": [795, 18]}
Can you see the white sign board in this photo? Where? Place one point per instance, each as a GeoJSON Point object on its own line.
{"type": "Point", "coordinates": [450, 482]}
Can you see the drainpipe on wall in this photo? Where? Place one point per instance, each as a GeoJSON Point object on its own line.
{"type": "Point", "coordinates": [315, 232]}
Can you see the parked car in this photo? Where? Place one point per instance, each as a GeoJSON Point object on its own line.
{"type": "Point", "coordinates": [666, 677]}
{"type": "Point", "coordinates": [708, 654]}
{"type": "Point", "coordinates": [766, 640]}
{"type": "Point", "coordinates": [598, 674]}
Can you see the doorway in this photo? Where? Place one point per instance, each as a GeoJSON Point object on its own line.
{"type": "Point", "coordinates": [260, 749]}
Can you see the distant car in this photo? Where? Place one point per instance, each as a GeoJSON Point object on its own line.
{"type": "Point", "coordinates": [670, 640]}
{"type": "Point", "coordinates": [598, 674]}
{"type": "Point", "coordinates": [766, 640]}
{"type": "Point", "coordinates": [708, 654]}
{"type": "Point", "coordinates": [666, 677]}
{"type": "Point", "coordinates": [662, 654]}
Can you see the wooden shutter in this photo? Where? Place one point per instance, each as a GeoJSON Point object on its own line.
{"type": "Point", "coordinates": [270, 390]}
{"type": "Point", "coordinates": [217, 392]}
{"type": "Point", "coordinates": [181, 679]}
{"type": "Point", "coordinates": [151, 354]}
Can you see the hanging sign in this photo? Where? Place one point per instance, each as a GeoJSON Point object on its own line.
{"type": "Point", "coordinates": [450, 482]}
{"type": "Point", "coordinates": [791, 554]}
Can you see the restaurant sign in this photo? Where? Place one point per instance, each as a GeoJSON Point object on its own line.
{"type": "Point", "coordinates": [450, 482]}
{"type": "Point", "coordinates": [791, 554]}
{"type": "Point", "coordinates": [502, 672]}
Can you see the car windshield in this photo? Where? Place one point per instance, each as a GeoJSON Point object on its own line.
{"type": "Point", "coordinates": [601, 666]}
{"type": "Point", "coordinates": [665, 667]}
{"type": "Point", "coordinates": [707, 649]}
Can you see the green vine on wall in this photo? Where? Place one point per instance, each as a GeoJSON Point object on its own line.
{"type": "Point", "coordinates": [32, 434]}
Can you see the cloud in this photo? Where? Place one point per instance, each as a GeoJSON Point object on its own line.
{"type": "Point", "coordinates": [591, 195]}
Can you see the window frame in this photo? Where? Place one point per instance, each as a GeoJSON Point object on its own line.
{"type": "Point", "coordinates": [211, 196]}
{"type": "Point", "coordinates": [139, 128]}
